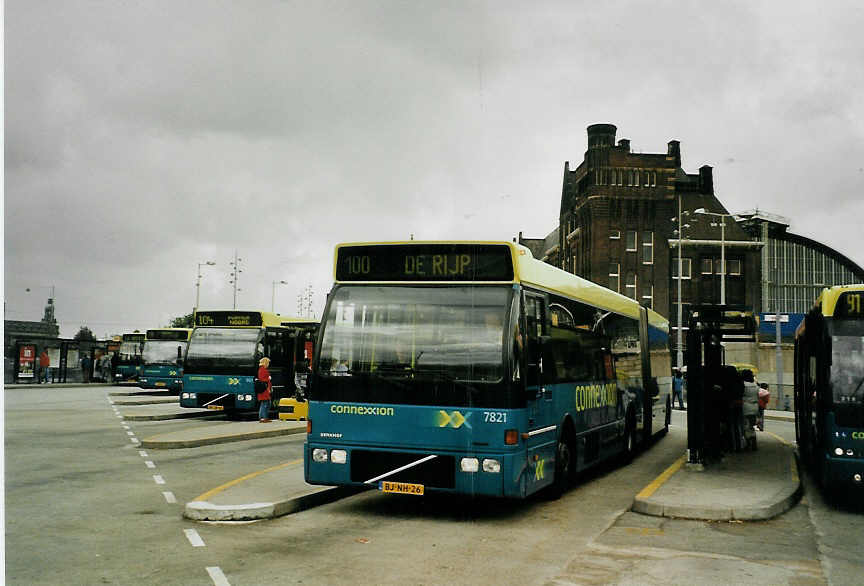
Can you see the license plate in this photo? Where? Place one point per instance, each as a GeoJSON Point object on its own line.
{"type": "Point", "coordinates": [216, 407]}
{"type": "Point", "coordinates": [401, 488]}
{"type": "Point", "coordinates": [160, 384]}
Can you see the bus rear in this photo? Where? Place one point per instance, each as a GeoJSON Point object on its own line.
{"type": "Point", "coordinates": [162, 358]}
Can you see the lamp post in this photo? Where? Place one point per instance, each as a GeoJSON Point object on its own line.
{"type": "Point", "coordinates": [208, 263]}
{"type": "Point", "coordinates": [679, 359]}
{"type": "Point", "coordinates": [273, 298]}
{"type": "Point", "coordinates": [722, 249]}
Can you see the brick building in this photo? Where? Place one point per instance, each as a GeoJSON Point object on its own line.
{"type": "Point", "coordinates": [618, 227]}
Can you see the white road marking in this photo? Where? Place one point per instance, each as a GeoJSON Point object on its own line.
{"type": "Point", "coordinates": [126, 426]}
{"type": "Point", "coordinates": [217, 576]}
{"type": "Point", "coordinates": [130, 433]}
{"type": "Point", "coordinates": [169, 496]}
{"type": "Point", "coordinates": [142, 453]}
{"type": "Point", "coordinates": [134, 440]}
{"type": "Point", "coordinates": [149, 464]}
{"type": "Point", "coordinates": [158, 478]}
{"type": "Point", "coordinates": [194, 538]}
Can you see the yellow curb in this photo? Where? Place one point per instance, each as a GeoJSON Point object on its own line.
{"type": "Point", "coordinates": [236, 481]}
{"type": "Point", "coordinates": [658, 482]}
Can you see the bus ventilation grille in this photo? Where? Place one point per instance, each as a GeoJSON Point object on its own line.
{"type": "Point", "coordinates": [436, 473]}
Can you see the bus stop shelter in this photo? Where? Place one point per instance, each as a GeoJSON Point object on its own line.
{"type": "Point", "coordinates": [710, 327]}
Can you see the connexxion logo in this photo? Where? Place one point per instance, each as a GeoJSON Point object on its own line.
{"type": "Point", "coordinates": [362, 410]}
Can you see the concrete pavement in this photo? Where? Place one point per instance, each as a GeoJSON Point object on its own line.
{"type": "Point", "coordinates": [746, 486]}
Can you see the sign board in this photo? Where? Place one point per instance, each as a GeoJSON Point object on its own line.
{"type": "Point", "coordinates": [26, 361]}
{"type": "Point", "coordinates": [784, 317]}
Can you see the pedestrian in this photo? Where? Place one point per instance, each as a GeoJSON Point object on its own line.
{"type": "Point", "coordinates": [764, 397]}
{"type": "Point", "coordinates": [44, 366]}
{"type": "Point", "coordinates": [678, 389]}
{"type": "Point", "coordinates": [749, 409]}
{"type": "Point", "coordinates": [115, 360]}
{"type": "Point", "coordinates": [263, 395]}
{"type": "Point", "coordinates": [105, 367]}
{"type": "Point", "coordinates": [85, 369]}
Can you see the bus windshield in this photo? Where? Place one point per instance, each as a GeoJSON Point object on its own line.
{"type": "Point", "coordinates": [847, 369]}
{"type": "Point", "coordinates": [163, 351]}
{"type": "Point", "coordinates": [129, 351]}
{"type": "Point", "coordinates": [403, 331]}
{"type": "Point", "coordinates": [221, 348]}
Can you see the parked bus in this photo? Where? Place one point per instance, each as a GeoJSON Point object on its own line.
{"type": "Point", "coordinates": [162, 359]}
{"type": "Point", "coordinates": [472, 368]}
{"type": "Point", "coordinates": [129, 357]}
{"type": "Point", "coordinates": [224, 350]}
{"type": "Point", "coordinates": [829, 390]}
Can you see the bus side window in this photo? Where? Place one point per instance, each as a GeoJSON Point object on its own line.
{"type": "Point", "coordinates": [534, 322]}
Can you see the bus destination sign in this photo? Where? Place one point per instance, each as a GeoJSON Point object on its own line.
{"type": "Point", "coordinates": [167, 335]}
{"type": "Point", "coordinates": [228, 318]}
{"type": "Point", "coordinates": [424, 262]}
{"type": "Point", "coordinates": [849, 305]}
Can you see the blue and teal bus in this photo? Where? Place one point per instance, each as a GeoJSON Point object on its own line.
{"type": "Point", "coordinates": [224, 349]}
{"type": "Point", "coordinates": [129, 357]}
{"type": "Point", "coordinates": [162, 359]}
{"type": "Point", "coordinates": [829, 390]}
{"type": "Point", "coordinates": [472, 368]}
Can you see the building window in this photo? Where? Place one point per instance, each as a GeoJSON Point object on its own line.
{"type": "Point", "coordinates": [647, 248]}
{"type": "Point", "coordinates": [631, 240]}
{"type": "Point", "coordinates": [636, 177]}
{"type": "Point", "coordinates": [648, 296]}
{"type": "Point", "coordinates": [707, 266]}
{"type": "Point", "coordinates": [620, 177]}
{"type": "Point", "coordinates": [631, 286]}
{"type": "Point", "coordinates": [685, 268]}
{"type": "Point", "coordinates": [653, 179]}
{"type": "Point", "coordinates": [615, 276]}
{"type": "Point", "coordinates": [718, 267]}
{"type": "Point", "coordinates": [734, 266]}
{"type": "Point", "coordinates": [614, 234]}
{"type": "Point", "coordinates": [647, 175]}
{"type": "Point", "coordinates": [629, 178]}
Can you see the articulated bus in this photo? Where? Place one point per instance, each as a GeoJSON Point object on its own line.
{"type": "Point", "coordinates": [224, 349]}
{"type": "Point", "coordinates": [162, 360]}
{"type": "Point", "coordinates": [129, 357]}
{"type": "Point", "coordinates": [472, 368]}
{"type": "Point", "coordinates": [829, 390]}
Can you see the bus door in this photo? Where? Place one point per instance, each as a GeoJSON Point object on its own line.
{"type": "Point", "coordinates": [278, 347]}
{"type": "Point", "coordinates": [540, 397]}
{"type": "Point", "coordinates": [651, 392]}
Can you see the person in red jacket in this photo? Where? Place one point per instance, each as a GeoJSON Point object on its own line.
{"type": "Point", "coordinates": [264, 396]}
{"type": "Point", "coordinates": [44, 366]}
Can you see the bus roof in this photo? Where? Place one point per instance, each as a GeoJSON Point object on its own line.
{"type": "Point", "coordinates": [134, 336]}
{"type": "Point", "coordinates": [530, 271]}
{"type": "Point", "coordinates": [239, 318]}
{"type": "Point", "coordinates": [830, 295]}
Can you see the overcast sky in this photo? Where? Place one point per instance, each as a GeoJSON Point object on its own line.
{"type": "Point", "coordinates": [143, 137]}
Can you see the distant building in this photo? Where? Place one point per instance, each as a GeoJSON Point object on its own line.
{"type": "Point", "coordinates": [27, 331]}
{"type": "Point", "coordinates": [618, 227]}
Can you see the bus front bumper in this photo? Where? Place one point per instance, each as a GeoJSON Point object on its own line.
{"type": "Point", "coordinates": [845, 473]}
{"type": "Point", "coordinates": [219, 401]}
{"type": "Point", "coordinates": [476, 474]}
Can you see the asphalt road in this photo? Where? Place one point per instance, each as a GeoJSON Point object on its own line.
{"type": "Point", "coordinates": [84, 505]}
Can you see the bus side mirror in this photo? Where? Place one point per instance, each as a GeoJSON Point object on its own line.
{"type": "Point", "coordinates": [179, 355]}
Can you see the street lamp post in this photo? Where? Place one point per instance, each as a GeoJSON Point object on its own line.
{"type": "Point", "coordinates": [208, 263]}
{"type": "Point", "coordinates": [273, 298]}
{"type": "Point", "coordinates": [678, 341]}
{"type": "Point", "coordinates": [722, 249]}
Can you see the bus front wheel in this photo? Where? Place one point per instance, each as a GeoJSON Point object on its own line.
{"type": "Point", "coordinates": [564, 465]}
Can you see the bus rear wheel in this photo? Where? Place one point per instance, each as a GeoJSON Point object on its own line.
{"type": "Point", "coordinates": [564, 465]}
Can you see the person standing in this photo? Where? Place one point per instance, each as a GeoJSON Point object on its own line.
{"type": "Point", "coordinates": [678, 389]}
{"type": "Point", "coordinates": [264, 396]}
{"type": "Point", "coordinates": [85, 368]}
{"type": "Point", "coordinates": [749, 409]}
{"type": "Point", "coordinates": [44, 365]}
{"type": "Point", "coordinates": [764, 397]}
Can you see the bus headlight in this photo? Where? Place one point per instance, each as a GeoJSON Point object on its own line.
{"type": "Point", "coordinates": [838, 451]}
{"type": "Point", "coordinates": [490, 465]}
{"type": "Point", "coordinates": [469, 464]}
{"type": "Point", "coordinates": [184, 396]}
{"type": "Point", "coordinates": [856, 477]}
{"type": "Point", "coordinates": [338, 456]}
{"type": "Point", "coordinates": [850, 452]}
{"type": "Point", "coordinates": [319, 455]}
{"type": "Point", "coordinates": [193, 395]}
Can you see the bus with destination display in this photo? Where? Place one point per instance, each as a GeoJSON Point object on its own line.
{"type": "Point", "coordinates": [129, 357]}
{"type": "Point", "coordinates": [162, 358]}
{"type": "Point", "coordinates": [224, 349]}
{"type": "Point", "coordinates": [472, 368]}
{"type": "Point", "coordinates": [829, 390]}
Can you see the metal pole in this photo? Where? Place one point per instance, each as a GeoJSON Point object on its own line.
{"type": "Point", "coordinates": [722, 260]}
{"type": "Point", "coordinates": [197, 289]}
{"type": "Point", "coordinates": [679, 357]}
{"type": "Point", "coordinates": [273, 298]}
{"type": "Point", "coordinates": [778, 349]}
